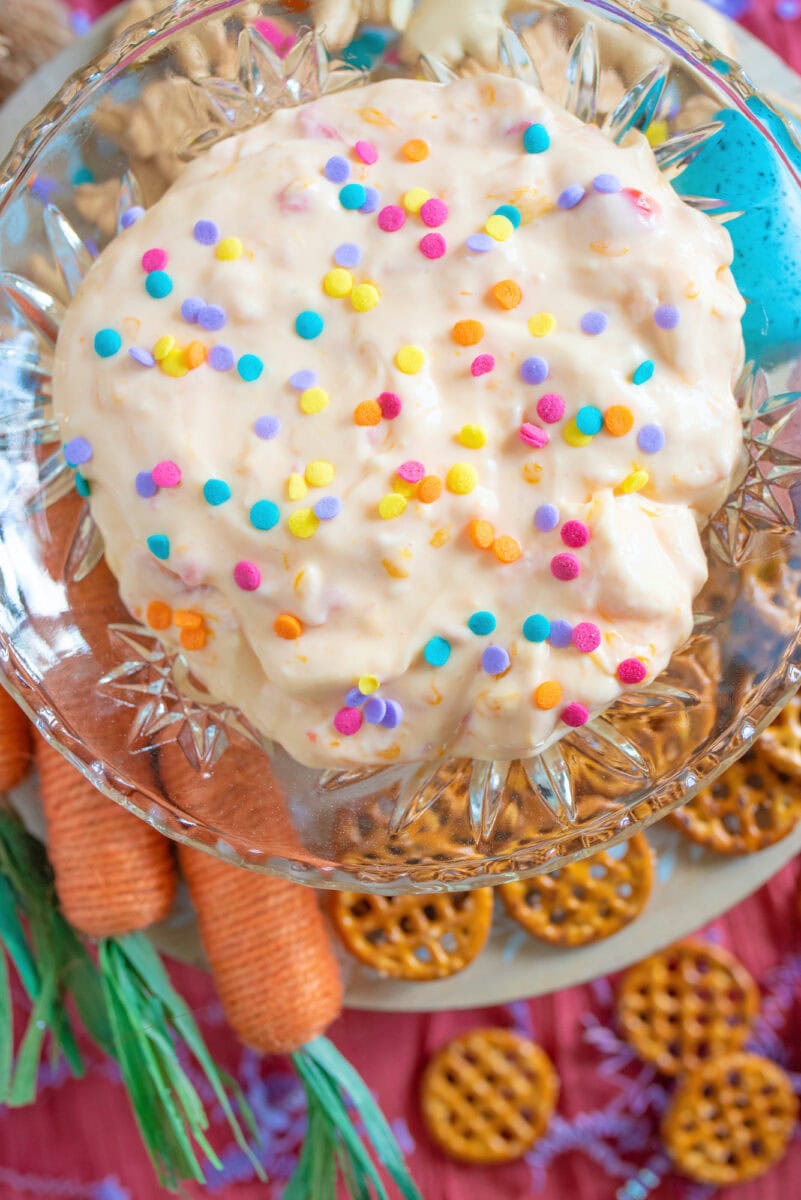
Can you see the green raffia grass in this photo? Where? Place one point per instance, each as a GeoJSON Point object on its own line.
{"type": "Point", "coordinates": [147, 1015]}
{"type": "Point", "coordinates": [51, 962]}
{"type": "Point", "coordinates": [332, 1145]}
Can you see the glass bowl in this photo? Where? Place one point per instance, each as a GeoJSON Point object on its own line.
{"type": "Point", "coordinates": [130, 715]}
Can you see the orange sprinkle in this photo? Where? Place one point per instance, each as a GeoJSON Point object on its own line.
{"type": "Point", "coordinates": [367, 413]}
{"type": "Point", "coordinates": [467, 333]}
{"type": "Point", "coordinates": [548, 694]}
{"type": "Point", "coordinates": [184, 618]}
{"type": "Point", "coordinates": [416, 150]}
{"type": "Point", "coordinates": [506, 549]}
{"type": "Point", "coordinates": [158, 615]}
{"type": "Point", "coordinates": [194, 639]}
{"type": "Point", "coordinates": [393, 569]}
{"type": "Point", "coordinates": [287, 626]}
{"type": "Point", "coordinates": [430, 489]}
{"type": "Point", "coordinates": [507, 293]}
{"type": "Point", "coordinates": [441, 536]}
{"type": "Point", "coordinates": [618, 420]}
{"type": "Point", "coordinates": [195, 355]}
{"type": "Point", "coordinates": [481, 534]}
{"type": "Point", "coordinates": [531, 472]}
{"type": "Point", "coordinates": [374, 116]}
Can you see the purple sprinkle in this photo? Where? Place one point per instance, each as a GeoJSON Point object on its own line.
{"type": "Point", "coordinates": [393, 716]}
{"type": "Point", "coordinates": [337, 169]}
{"type": "Point", "coordinates": [302, 380]}
{"type": "Point", "coordinates": [375, 710]}
{"type": "Point", "coordinates": [534, 370]}
{"type": "Point", "coordinates": [495, 660]}
{"type": "Point", "coordinates": [191, 307]}
{"type": "Point", "coordinates": [78, 451]}
{"type": "Point", "coordinates": [131, 216]}
{"type": "Point", "coordinates": [651, 439]}
{"type": "Point", "coordinates": [372, 199]}
{"type": "Point", "coordinates": [606, 184]}
{"type": "Point", "coordinates": [480, 242]}
{"type": "Point", "coordinates": [211, 317]}
{"type": "Point", "coordinates": [354, 698]}
{"type": "Point", "coordinates": [207, 233]}
{"type": "Point", "coordinates": [80, 22]}
{"type": "Point", "coordinates": [546, 517]}
{"type": "Point", "coordinates": [221, 358]}
{"type": "Point", "coordinates": [347, 255]}
{"type": "Point", "coordinates": [561, 634]}
{"type": "Point", "coordinates": [326, 509]}
{"type": "Point", "coordinates": [787, 10]}
{"type": "Point", "coordinates": [145, 485]}
{"type": "Point", "coordinates": [594, 322]}
{"type": "Point", "coordinates": [667, 316]}
{"type": "Point", "coordinates": [42, 188]}
{"type": "Point", "coordinates": [91, 246]}
{"type": "Point", "coordinates": [142, 356]}
{"type": "Point", "coordinates": [571, 196]}
{"type": "Point", "coordinates": [267, 427]}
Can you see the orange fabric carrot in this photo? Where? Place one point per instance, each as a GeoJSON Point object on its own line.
{"type": "Point", "coordinates": [15, 743]}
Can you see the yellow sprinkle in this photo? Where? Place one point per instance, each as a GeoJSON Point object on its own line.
{"type": "Point", "coordinates": [414, 199]}
{"type": "Point", "coordinates": [393, 569]}
{"type": "Point", "coordinates": [472, 436]}
{"type": "Point", "coordinates": [692, 291]}
{"type": "Point", "coordinates": [369, 684]}
{"type": "Point", "coordinates": [374, 116]}
{"type": "Point", "coordinates": [410, 360]}
{"type": "Point", "coordinates": [364, 297]}
{"type": "Point", "coordinates": [314, 400]}
{"type": "Point", "coordinates": [391, 506]}
{"type": "Point", "coordinates": [461, 479]}
{"type": "Point", "coordinates": [532, 472]}
{"type": "Point", "coordinates": [175, 364]}
{"type": "Point", "coordinates": [441, 537]}
{"type": "Point", "coordinates": [499, 228]}
{"type": "Point", "coordinates": [303, 523]}
{"type": "Point", "coordinates": [163, 347]}
{"type": "Point", "coordinates": [319, 473]}
{"type": "Point", "coordinates": [541, 324]}
{"type": "Point", "coordinates": [402, 487]}
{"type": "Point", "coordinates": [296, 487]}
{"type": "Point", "coordinates": [657, 133]}
{"type": "Point", "coordinates": [573, 435]}
{"type": "Point", "coordinates": [338, 283]}
{"type": "Point", "coordinates": [229, 249]}
{"type": "Point", "coordinates": [634, 482]}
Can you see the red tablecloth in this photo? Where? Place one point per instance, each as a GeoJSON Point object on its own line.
{"type": "Point", "coordinates": [79, 1141]}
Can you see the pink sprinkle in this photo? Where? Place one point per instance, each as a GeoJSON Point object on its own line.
{"type": "Point", "coordinates": [586, 637]}
{"type": "Point", "coordinates": [391, 218]}
{"type": "Point", "coordinates": [390, 405]}
{"type": "Point", "coordinates": [154, 260]}
{"type": "Point", "coordinates": [482, 364]}
{"type": "Point", "coordinates": [434, 213]}
{"type": "Point", "coordinates": [348, 721]}
{"type": "Point", "coordinates": [533, 435]}
{"type": "Point", "coordinates": [550, 408]}
{"type": "Point", "coordinates": [565, 567]}
{"type": "Point", "coordinates": [575, 534]}
{"type": "Point", "coordinates": [166, 474]}
{"type": "Point", "coordinates": [412, 471]}
{"type": "Point", "coordinates": [247, 576]}
{"type": "Point", "coordinates": [433, 245]}
{"type": "Point", "coordinates": [366, 152]}
{"type": "Point", "coordinates": [575, 714]}
{"type": "Point", "coordinates": [631, 670]}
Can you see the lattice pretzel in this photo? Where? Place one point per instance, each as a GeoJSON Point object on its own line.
{"type": "Point", "coordinates": [781, 741]}
{"type": "Point", "coordinates": [414, 937]}
{"type": "Point", "coordinates": [750, 807]}
{"type": "Point", "coordinates": [730, 1120]}
{"type": "Point", "coordinates": [587, 900]}
{"type": "Point", "coordinates": [690, 1003]}
{"type": "Point", "coordinates": [488, 1095]}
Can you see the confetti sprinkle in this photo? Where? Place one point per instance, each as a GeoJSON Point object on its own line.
{"type": "Point", "coordinates": [511, 213]}
{"type": "Point", "coordinates": [166, 474]}
{"type": "Point", "coordinates": [348, 254]}
{"type": "Point", "coordinates": [536, 628]}
{"type": "Point", "coordinates": [352, 196]}
{"type": "Point", "coordinates": [296, 487]}
{"type": "Point", "coordinates": [437, 651]}
{"type": "Point", "coordinates": [368, 684]}
{"type": "Point", "coordinates": [651, 439]}
{"type": "Point", "coordinates": [634, 482]}
{"type": "Point", "coordinates": [586, 637]}
{"type": "Point", "coordinates": [500, 229]}
{"type": "Point", "coordinates": [593, 323]}
{"type": "Point", "coordinates": [309, 324]}
{"type": "Point", "coordinates": [391, 506]}
{"type": "Point", "coordinates": [575, 534]}
{"type": "Point", "coordinates": [414, 199]}
{"type": "Point", "coordinates": [481, 534]}
{"type": "Point", "coordinates": [410, 360]}
{"type": "Point", "coordinates": [264, 515]}
{"type": "Point", "coordinates": [573, 435]}
{"type": "Point", "coordinates": [434, 212]}
{"type": "Point", "coordinates": [561, 635]}
{"type": "Point", "coordinates": [249, 367]}
{"type": "Point", "coordinates": [327, 508]}
{"type": "Point", "coordinates": [479, 242]}
{"type": "Point", "coordinates": [533, 435]}
{"type": "Point", "coordinates": [391, 218]}
{"type": "Point", "coordinates": [631, 671]}
{"type": "Point", "coordinates": [267, 427]}
{"type": "Point", "coordinates": [667, 316]}
{"type": "Point", "coordinates": [338, 283]}
{"type": "Point", "coordinates": [495, 660]}
{"type": "Point", "coordinates": [82, 485]}
{"type": "Point", "coordinates": [154, 259]}
{"type": "Point", "coordinates": [590, 420]}
{"type": "Point", "coordinates": [536, 139]}
{"type": "Point", "coordinates": [107, 343]}
{"type": "Point", "coordinates": [390, 405]}
{"type": "Point", "coordinates": [548, 694]}
{"type": "Point", "coordinates": [467, 333]}
{"type": "Point", "coordinates": [412, 471]}
{"type": "Point", "coordinates": [174, 363]}
{"type": "Point", "coordinates": [393, 715]}
{"type": "Point", "coordinates": [534, 370]}
{"type": "Point", "coordinates": [482, 364]}
{"type": "Point", "coordinates": [159, 546]}
{"type": "Point", "coordinates": [643, 372]}
{"type": "Point", "coordinates": [507, 294]}
{"type": "Point", "coordinates": [565, 567]}
{"type": "Point", "coordinates": [575, 715]}
{"type": "Point", "coordinates": [142, 356]}
{"type": "Point", "coordinates": [145, 486]}
{"type": "Point", "coordinates": [551, 408]}
{"type": "Point", "coordinates": [314, 400]}
{"type": "Point", "coordinates": [216, 492]}
{"type": "Point", "coordinates": [506, 549]}
{"type": "Point", "coordinates": [158, 615]}
{"type": "Point", "coordinates": [348, 721]}
{"type": "Point", "coordinates": [131, 216]}
{"type": "Point", "coordinates": [367, 413]}
{"type": "Point", "coordinates": [221, 358]}
{"type": "Point", "coordinates": [195, 355]}
{"type": "Point", "coordinates": [546, 517]}
{"type": "Point", "coordinates": [416, 150]}
{"type": "Point", "coordinates": [364, 297]}
{"type": "Point", "coordinates": [287, 626]}
{"type": "Point", "coordinates": [371, 201]}
{"type": "Point", "coordinates": [158, 284]}
{"type": "Point", "coordinates": [571, 196]}
{"type": "Point", "coordinates": [367, 152]}
{"type": "Point", "coordinates": [432, 245]}
{"type": "Point", "coordinates": [207, 233]}
{"type": "Point", "coordinates": [319, 473]}
{"type": "Point", "coordinates": [229, 249]}
{"type": "Point", "coordinates": [163, 347]}
{"type": "Point", "coordinates": [461, 479]}
{"type": "Point", "coordinates": [301, 380]}
{"type": "Point", "coordinates": [472, 436]}
{"type": "Point", "coordinates": [606, 184]}
{"type": "Point", "coordinates": [337, 170]}
{"type": "Point", "coordinates": [430, 489]}
{"type": "Point", "coordinates": [618, 420]}
{"type": "Point", "coordinates": [303, 523]}
{"type": "Point", "coordinates": [211, 317]}
{"type": "Point", "coordinates": [78, 451]}
{"type": "Point", "coordinates": [375, 710]}
{"type": "Point", "coordinates": [482, 623]}
{"type": "Point", "coordinates": [541, 324]}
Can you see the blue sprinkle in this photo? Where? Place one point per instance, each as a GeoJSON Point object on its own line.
{"type": "Point", "coordinates": [146, 485]}
{"type": "Point", "coordinates": [107, 342]}
{"type": "Point", "coordinates": [302, 380]}
{"type": "Point", "coordinates": [436, 652]}
{"type": "Point", "coordinates": [158, 284]}
{"type": "Point", "coordinates": [327, 508]}
{"type": "Point", "coordinates": [480, 242]}
{"type": "Point", "coordinates": [216, 491]}
{"type": "Point", "coordinates": [606, 184]}
{"type": "Point", "coordinates": [354, 698]}
{"type": "Point", "coordinates": [571, 196]}
{"type": "Point", "coordinates": [78, 451]}
{"type": "Point", "coordinates": [309, 324]}
{"type": "Point", "coordinates": [337, 169]}
{"type": "Point", "coordinates": [372, 199]}
{"type": "Point", "coordinates": [534, 370]}
{"type": "Point", "coordinates": [561, 634]}
{"type": "Point", "coordinates": [352, 196]}
{"type": "Point", "coordinates": [393, 716]}
{"type": "Point", "coordinates": [264, 515]}
{"type": "Point", "coordinates": [495, 660]}
{"type": "Point", "coordinates": [590, 420]}
{"type": "Point", "coordinates": [267, 427]}
{"type": "Point", "coordinates": [536, 628]}
{"type": "Point", "coordinates": [348, 255]}
{"type": "Point", "coordinates": [375, 710]}
{"type": "Point", "coordinates": [82, 175]}
{"type": "Point", "coordinates": [250, 367]}
{"type": "Point", "coordinates": [510, 212]}
{"type": "Point", "coordinates": [651, 439]}
{"type": "Point", "coordinates": [159, 545]}
{"type": "Point", "coordinates": [207, 233]}
{"type": "Point", "coordinates": [482, 623]}
{"type": "Point", "coordinates": [191, 307]}
{"type": "Point", "coordinates": [142, 356]}
{"type": "Point", "coordinates": [131, 216]}
{"type": "Point", "coordinates": [643, 372]}
{"type": "Point", "coordinates": [536, 139]}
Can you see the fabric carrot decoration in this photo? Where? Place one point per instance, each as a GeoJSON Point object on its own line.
{"type": "Point", "coordinates": [15, 743]}
{"type": "Point", "coordinates": [278, 980]}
